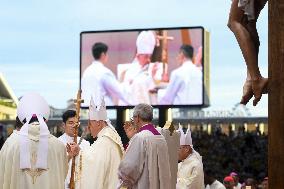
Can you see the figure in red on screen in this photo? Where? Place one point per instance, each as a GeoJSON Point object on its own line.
{"type": "Point", "coordinates": [138, 79]}
{"type": "Point", "coordinates": [242, 22]}
{"type": "Point", "coordinates": [185, 86]}
{"type": "Point", "coordinates": [98, 80]}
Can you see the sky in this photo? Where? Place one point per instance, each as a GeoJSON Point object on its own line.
{"type": "Point", "coordinates": [39, 43]}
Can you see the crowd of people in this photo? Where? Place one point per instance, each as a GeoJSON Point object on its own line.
{"type": "Point", "coordinates": [241, 152]}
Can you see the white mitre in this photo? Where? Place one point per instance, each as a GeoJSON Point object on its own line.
{"type": "Point", "coordinates": [33, 105]}
{"type": "Point", "coordinates": [97, 112]}
{"type": "Point", "coordinates": [185, 138]}
{"type": "Point", "coordinates": [145, 42]}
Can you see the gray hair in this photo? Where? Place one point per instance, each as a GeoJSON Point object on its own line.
{"type": "Point", "coordinates": [144, 111]}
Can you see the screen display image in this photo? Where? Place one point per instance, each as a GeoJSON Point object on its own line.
{"type": "Point", "coordinates": [161, 67]}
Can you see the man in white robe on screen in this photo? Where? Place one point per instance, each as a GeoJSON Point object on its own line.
{"type": "Point", "coordinates": [69, 121]}
{"type": "Point", "coordinates": [190, 170]}
{"type": "Point", "coordinates": [146, 162]}
{"type": "Point", "coordinates": [32, 158]}
{"type": "Point", "coordinates": [185, 86]}
{"type": "Point", "coordinates": [138, 79]}
{"type": "Point", "coordinates": [98, 79]}
{"type": "Point", "coordinates": [96, 166]}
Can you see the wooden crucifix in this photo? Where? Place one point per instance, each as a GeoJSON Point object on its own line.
{"type": "Point", "coordinates": [164, 38]}
{"type": "Point", "coordinates": [78, 102]}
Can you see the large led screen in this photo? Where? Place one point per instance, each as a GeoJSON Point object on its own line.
{"type": "Point", "coordinates": [161, 67]}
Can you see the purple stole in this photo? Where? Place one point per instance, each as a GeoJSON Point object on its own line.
{"type": "Point", "coordinates": [149, 127]}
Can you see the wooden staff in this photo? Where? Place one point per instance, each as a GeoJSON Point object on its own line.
{"type": "Point", "coordinates": [164, 41]}
{"type": "Point", "coordinates": [78, 102]}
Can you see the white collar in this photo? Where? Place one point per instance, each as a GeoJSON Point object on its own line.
{"type": "Point", "coordinates": [97, 62]}
{"type": "Point", "coordinates": [68, 138]}
{"type": "Point", "coordinates": [187, 62]}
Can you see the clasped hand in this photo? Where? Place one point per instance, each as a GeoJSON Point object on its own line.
{"type": "Point", "coordinates": [73, 149]}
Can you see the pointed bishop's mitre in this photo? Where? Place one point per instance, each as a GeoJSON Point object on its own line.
{"type": "Point", "coordinates": [32, 104]}
{"type": "Point", "coordinates": [97, 112]}
{"type": "Point", "coordinates": [185, 138]}
{"type": "Point", "coordinates": [145, 42]}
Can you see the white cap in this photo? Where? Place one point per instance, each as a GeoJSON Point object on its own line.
{"type": "Point", "coordinates": [185, 139]}
{"type": "Point", "coordinates": [145, 42]}
{"type": "Point", "coordinates": [97, 112]}
{"type": "Point", "coordinates": [30, 105]}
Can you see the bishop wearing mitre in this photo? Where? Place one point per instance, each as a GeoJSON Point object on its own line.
{"type": "Point", "coordinates": [190, 170]}
{"type": "Point", "coordinates": [97, 165]}
{"type": "Point", "coordinates": [32, 158]}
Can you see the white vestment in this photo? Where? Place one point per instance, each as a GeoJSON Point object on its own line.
{"type": "Point", "coordinates": [137, 83]}
{"type": "Point", "coordinates": [146, 163]}
{"type": "Point", "coordinates": [185, 86]}
{"type": "Point", "coordinates": [173, 143]}
{"type": "Point", "coordinates": [97, 165]}
{"type": "Point", "coordinates": [98, 80]}
{"type": "Point", "coordinates": [215, 185]}
{"type": "Point", "coordinates": [12, 177]}
{"type": "Point", "coordinates": [67, 139]}
{"type": "Point", "coordinates": [190, 173]}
